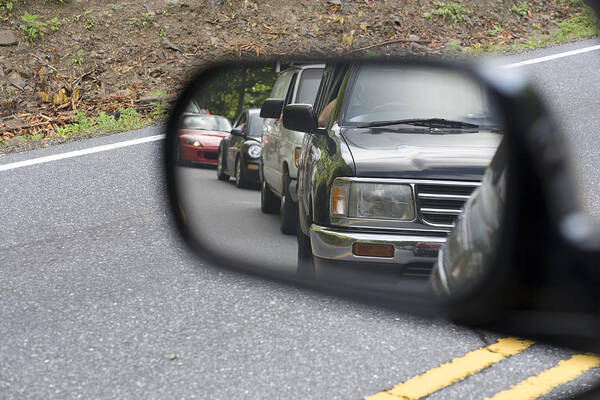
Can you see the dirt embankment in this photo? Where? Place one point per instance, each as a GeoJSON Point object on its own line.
{"type": "Point", "coordinates": [61, 56]}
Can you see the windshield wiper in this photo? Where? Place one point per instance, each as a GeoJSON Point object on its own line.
{"type": "Point", "coordinates": [429, 122]}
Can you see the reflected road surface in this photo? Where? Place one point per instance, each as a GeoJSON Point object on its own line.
{"type": "Point", "coordinates": [231, 222]}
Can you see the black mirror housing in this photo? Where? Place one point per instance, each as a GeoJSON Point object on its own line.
{"type": "Point", "coordinates": [237, 132]}
{"type": "Point", "coordinates": [299, 117]}
{"type": "Point", "coordinates": [271, 108]}
{"type": "Point", "coordinates": [549, 294]}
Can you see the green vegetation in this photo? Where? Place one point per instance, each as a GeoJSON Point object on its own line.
{"type": "Point", "coordinates": [85, 126]}
{"type": "Point", "coordinates": [146, 19]}
{"type": "Point", "coordinates": [32, 28]}
{"type": "Point", "coordinates": [55, 23]}
{"type": "Point", "coordinates": [450, 10]}
{"type": "Point", "coordinates": [236, 89]}
{"type": "Point", "coordinates": [531, 44]}
{"type": "Point", "coordinates": [581, 24]}
{"type": "Point", "coordinates": [578, 26]}
{"type": "Point", "coordinates": [521, 10]}
{"type": "Point", "coordinates": [77, 59]}
{"type": "Point", "coordinates": [89, 21]}
{"type": "Point", "coordinates": [160, 111]}
{"type": "Point", "coordinates": [6, 5]}
{"type": "Point", "coordinates": [495, 30]}
{"type": "Point", "coordinates": [454, 47]}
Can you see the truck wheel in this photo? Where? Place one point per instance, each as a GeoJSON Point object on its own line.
{"type": "Point", "coordinates": [268, 202]}
{"type": "Point", "coordinates": [221, 175]}
{"type": "Point", "coordinates": [241, 180]}
{"type": "Point", "coordinates": [178, 159]}
{"type": "Point", "coordinates": [288, 210]}
{"type": "Point", "coordinates": [306, 261]}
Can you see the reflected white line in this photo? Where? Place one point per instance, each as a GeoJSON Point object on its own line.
{"type": "Point", "coordinates": [77, 153]}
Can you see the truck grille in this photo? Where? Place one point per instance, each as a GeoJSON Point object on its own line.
{"type": "Point", "coordinates": [440, 204]}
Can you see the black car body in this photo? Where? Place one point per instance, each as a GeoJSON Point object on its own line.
{"type": "Point", "coordinates": [413, 177]}
{"type": "Point", "coordinates": [239, 153]}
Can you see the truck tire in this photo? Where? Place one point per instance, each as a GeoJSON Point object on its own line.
{"type": "Point", "coordinates": [241, 180]}
{"type": "Point", "coordinates": [288, 210]}
{"type": "Point", "coordinates": [269, 203]}
{"type": "Point", "coordinates": [306, 261]}
{"type": "Point", "coordinates": [221, 175]}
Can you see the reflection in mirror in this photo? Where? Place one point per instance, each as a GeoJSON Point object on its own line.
{"type": "Point", "coordinates": [390, 187]}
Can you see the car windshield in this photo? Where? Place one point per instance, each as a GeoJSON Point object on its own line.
{"type": "Point", "coordinates": [309, 84]}
{"type": "Point", "coordinates": [255, 128]}
{"type": "Point", "coordinates": [383, 93]}
{"type": "Point", "coordinates": [192, 108]}
{"type": "Point", "coordinates": [206, 123]}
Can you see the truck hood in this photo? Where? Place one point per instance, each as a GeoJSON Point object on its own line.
{"type": "Point", "coordinates": [421, 153]}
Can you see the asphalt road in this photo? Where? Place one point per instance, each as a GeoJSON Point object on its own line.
{"type": "Point", "coordinates": [99, 299]}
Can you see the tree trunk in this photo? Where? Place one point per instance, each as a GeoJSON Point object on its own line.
{"type": "Point", "coordinates": [242, 91]}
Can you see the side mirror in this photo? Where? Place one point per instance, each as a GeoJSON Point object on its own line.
{"type": "Point", "coordinates": [271, 108]}
{"type": "Point", "coordinates": [299, 117]}
{"type": "Point", "coordinates": [237, 132]}
{"type": "Point", "coordinates": [464, 210]}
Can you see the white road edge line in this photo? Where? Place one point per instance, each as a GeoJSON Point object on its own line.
{"type": "Point", "coordinates": [77, 153]}
{"type": "Point", "coordinates": [133, 142]}
{"type": "Point", "coordinates": [551, 57]}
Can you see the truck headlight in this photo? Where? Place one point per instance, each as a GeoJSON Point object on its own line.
{"type": "Point", "coordinates": [339, 198]}
{"type": "Point", "coordinates": [254, 151]}
{"type": "Point", "coordinates": [372, 200]}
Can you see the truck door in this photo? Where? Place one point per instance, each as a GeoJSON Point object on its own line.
{"type": "Point", "coordinates": [271, 134]}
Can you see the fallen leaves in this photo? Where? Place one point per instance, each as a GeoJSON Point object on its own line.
{"type": "Point", "coordinates": [46, 78]}
{"type": "Point", "coordinates": [59, 99]}
{"type": "Point", "coordinates": [248, 47]}
{"type": "Point", "coordinates": [31, 124]}
{"type": "Point", "coordinates": [272, 31]}
{"type": "Point", "coordinates": [347, 39]}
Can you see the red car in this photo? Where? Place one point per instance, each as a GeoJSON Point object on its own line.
{"type": "Point", "coordinates": [199, 137]}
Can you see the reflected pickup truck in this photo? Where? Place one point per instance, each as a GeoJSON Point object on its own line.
{"type": "Point", "coordinates": [281, 146]}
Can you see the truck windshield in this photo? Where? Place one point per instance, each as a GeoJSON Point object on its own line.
{"type": "Point", "coordinates": [206, 122]}
{"type": "Point", "coordinates": [383, 93]}
{"type": "Point", "coordinates": [309, 84]}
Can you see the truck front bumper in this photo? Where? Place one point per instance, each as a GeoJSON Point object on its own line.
{"type": "Point", "coordinates": [333, 244]}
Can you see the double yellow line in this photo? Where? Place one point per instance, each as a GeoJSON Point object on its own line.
{"type": "Point", "coordinates": [474, 361]}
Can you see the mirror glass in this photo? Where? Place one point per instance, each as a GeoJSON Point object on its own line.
{"type": "Point", "coordinates": [398, 183]}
